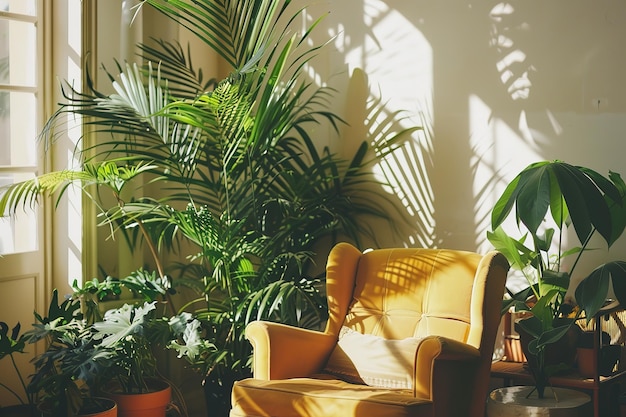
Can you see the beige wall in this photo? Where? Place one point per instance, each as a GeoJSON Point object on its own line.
{"type": "Point", "coordinates": [501, 84]}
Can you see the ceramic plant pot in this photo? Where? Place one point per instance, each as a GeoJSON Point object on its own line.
{"type": "Point", "coordinates": [150, 404]}
{"type": "Point", "coordinates": [99, 407]}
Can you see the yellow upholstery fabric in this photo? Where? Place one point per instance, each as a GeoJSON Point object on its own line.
{"type": "Point", "coordinates": [448, 299]}
{"type": "Point", "coordinates": [322, 397]}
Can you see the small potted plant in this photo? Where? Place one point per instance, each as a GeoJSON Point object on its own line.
{"type": "Point", "coordinates": [550, 198]}
{"type": "Point", "coordinates": [52, 388]}
{"type": "Point", "coordinates": [112, 357]}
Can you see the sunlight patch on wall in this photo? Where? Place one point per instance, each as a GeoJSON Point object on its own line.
{"type": "Point", "coordinates": [483, 163]}
{"type": "Point", "coordinates": [382, 92]}
{"type": "Point", "coordinates": [402, 76]}
{"type": "Point", "coordinates": [74, 135]}
{"type": "Point", "coordinates": [493, 162]}
{"type": "Point", "coordinates": [396, 80]}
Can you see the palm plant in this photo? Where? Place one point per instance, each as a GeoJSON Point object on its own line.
{"type": "Point", "coordinates": [234, 167]}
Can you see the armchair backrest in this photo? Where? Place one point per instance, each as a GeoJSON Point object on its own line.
{"type": "Point", "coordinates": [408, 292]}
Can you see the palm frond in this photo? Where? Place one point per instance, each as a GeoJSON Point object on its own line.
{"type": "Point", "coordinates": [235, 29]}
{"type": "Point", "coordinates": [26, 194]}
{"type": "Point", "coordinates": [184, 80]}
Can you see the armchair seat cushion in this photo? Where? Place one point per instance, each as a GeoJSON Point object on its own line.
{"type": "Point", "coordinates": [322, 395]}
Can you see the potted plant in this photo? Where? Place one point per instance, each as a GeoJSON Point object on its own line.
{"type": "Point", "coordinates": [126, 338]}
{"type": "Point", "coordinates": [61, 396]}
{"type": "Point", "coordinates": [112, 357]}
{"type": "Point", "coordinates": [549, 199]}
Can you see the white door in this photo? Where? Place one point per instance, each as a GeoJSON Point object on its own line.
{"type": "Point", "coordinates": [21, 237]}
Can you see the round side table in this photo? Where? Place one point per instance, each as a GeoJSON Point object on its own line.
{"type": "Point", "coordinates": [512, 402]}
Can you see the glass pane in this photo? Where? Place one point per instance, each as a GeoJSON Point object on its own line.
{"type": "Point", "coordinates": [18, 48]}
{"type": "Point", "coordinates": [18, 233]}
{"type": "Point", "coordinates": [28, 7]}
{"type": "Point", "coordinates": [18, 113]}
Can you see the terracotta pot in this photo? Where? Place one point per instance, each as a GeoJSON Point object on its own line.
{"type": "Point", "coordinates": [150, 404]}
{"type": "Point", "coordinates": [607, 358]}
{"type": "Point", "coordinates": [97, 403]}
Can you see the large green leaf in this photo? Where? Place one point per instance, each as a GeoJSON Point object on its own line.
{"type": "Point", "coordinates": [534, 197]}
{"type": "Point", "coordinates": [27, 194]}
{"type": "Point", "coordinates": [11, 342]}
{"type": "Point", "coordinates": [543, 309]}
{"type": "Point", "coordinates": [531, 325]}
{"type": "Point", "coordinates": [547, 185]}
{"type": "Point", "coordinates": [505, 203]}
{"type": "Point", "coordinates": [553, 335]}
{"type": "Point", "coordinates": [518, 255]}
{"type": "Point", "coordinates": [592, 292]}
{"type": "Point", "coordinates": [586, 204]}
{"type": "Point", "coordinates": [617, 206]}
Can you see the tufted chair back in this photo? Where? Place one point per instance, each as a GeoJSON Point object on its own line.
{"type": "Point", "coordinates": [403, 293]}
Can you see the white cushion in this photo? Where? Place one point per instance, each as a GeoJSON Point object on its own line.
{"type": "Point", "coordinates": [374, 361]}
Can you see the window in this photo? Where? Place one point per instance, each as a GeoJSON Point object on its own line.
{"type": "Point", "coordinates": [20, 112]}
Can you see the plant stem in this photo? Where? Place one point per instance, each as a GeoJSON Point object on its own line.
{"type": "Point", "coordinates": [582, 249]}
{"type": "Point", "coordinates": [15, 394]}
{"type": "Point", "coordinates": [151, 247]}
{"type": "Point", "coordinates": [19, 375]}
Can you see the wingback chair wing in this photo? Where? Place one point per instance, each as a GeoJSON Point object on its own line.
{"type": "Point", "coordinates": [410, 333]}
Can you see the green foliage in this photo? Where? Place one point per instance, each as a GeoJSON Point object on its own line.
{"type": "Point", "coordinates": [83, 357]}
{"type": "Point", "coordinates": [577, 192]}
{"type": "Point", "coordinates": [67, 360]}
{"type": "Point", "coordinates": [11, 343]}
{"type": "Point", "coordinates": [229, 166]}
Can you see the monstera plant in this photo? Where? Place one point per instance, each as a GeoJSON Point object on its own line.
{"type": "Point", "coordinates": [227, 167]}
{"type": "Point", "coordinates": [548, 200]}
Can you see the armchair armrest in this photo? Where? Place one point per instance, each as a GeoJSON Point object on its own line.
{"type": "Point", "coordinates": [281, 351]}
{"type": "Point", "coordinates": [441, 360]}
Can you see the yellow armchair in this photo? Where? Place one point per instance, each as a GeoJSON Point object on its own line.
{"type": "Point", "coordinates": [410, 333]}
